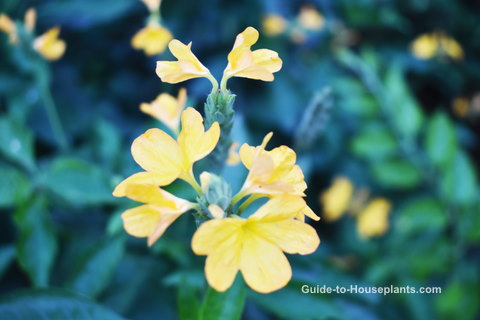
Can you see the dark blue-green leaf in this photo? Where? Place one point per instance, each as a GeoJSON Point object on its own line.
{"type": "Point", "coordinates": [397, 174]}
{"type": "Point", "coordinates": [226, 305]}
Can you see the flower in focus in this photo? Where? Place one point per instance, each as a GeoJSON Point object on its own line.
{"type": "Point", "coordinates": [159, 211]}
{"type": "Point", "coordinates": [429, 45]}
{"type": "Point", "coordinates": [255, 246]}
{"type": "Point", "coordinates": [49, 45]}
{"type": "Point", "coordinates": [233, 155]}
{"type": "Point", "coordinates": [273, 173]}
{"type": "Point", "coordinates": [336, 200]}
{"type": "Point", "coordinates": [8, 26]}
{"type": "Point", "coordinates": [164, 159]}
{"type": "Point", "coordinates": [310, 19]}
{"type": "Point", "coordinates": [373, 219]}
{"type": "Point", "coordinates": [167, 109]}
{"type": "Point", "coordinates": [152, 5]}
{"type": "Point", "coordinates": [152, 39]}
{"type": "Point", "coordinates": [243, 62]}
{"type": "Point", "coordinates": [273, 24]}
{"type": "Point", "coordinates": [186, 67]}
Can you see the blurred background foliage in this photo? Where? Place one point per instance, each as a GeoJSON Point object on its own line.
{"type": "Point", "coordinates": [352, 100]}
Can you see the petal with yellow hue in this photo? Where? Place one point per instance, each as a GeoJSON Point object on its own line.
{"type": "Point", "coordinates": [214, 232]}
{"type": "Point", "coordinates": [273, 25]}
{"type": "Point", "coordinates": [30, 19]}
{"type": "Point", "coordinates": [263, 265]}
{"type": "Point", "coordinates": [157, 152]}
{"type": "Point", "coordinates": [147, 193]}
{"type": "Point", "coordinates": [9, 27]}
{"type": "Point", "coordinates": [49, 45]}
{"type": "Point", "coordinates": [259, 64]}
{"type": "Point", "coordinates": [425, 46]}
{"type": "Point", "coordinates": [233, 155]}
{"type": "Point", "coordinates": [451, 47]}
{"type": "Point", "coordinates": [194, 141]}
{"type": "Point", "coordinates": [140, 221]}
{"type": "Point", "coordinates": [292, 236]}
{"type": "Point", "coordinates": [147, 178]}
{"type": "Point", "coordinates": [187, 67]}
{"type": "Point", "coordinates": [336, 200]}
{"type": "Point", "coordinates": [279, 208]}
{"type": "Point", "coordinates": [167, 108]}
{"type": "Point", "coordinates": [310, 18]}
{"type": "Point", "coordinates": [373, 219]}
{"type": "Point", "coordinates": [152, 39]}
{"type": "Point", "coordinates": [152, 5]}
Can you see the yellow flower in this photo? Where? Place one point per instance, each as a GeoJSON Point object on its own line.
{"type": "Point", "coordinates": [373, 219]}
{"type": "Point", "coordinates": [165, 159]}
{"type": "Point", "coordinates": [233, 155]}
{"type": "Point", "coordinates": [336, 200]}
{"type": "Point", "coordinates": [49, 45]}
{"type": "Point", "coordinates": [9, 27]}
{"type": "Point", "coordinates": [160, 210]}
{"type": "Point", "coordinates": [273, 24]}
{"type": "Point", "coordinates": [30, 19]}
{"type": "Point", "coordinates": [425, 46]}
{"type": "Point", "coordinates": [187, 67]}
{"type": "Point", "coordinates": [461, 106]}
{"type": "Point", "coordinates": [152, 5]}
{"type": "Point", "coordinates": [243, 62]}
{"type": "Point", "coordinates": [152, 39]}
{"type": "Point", "coordinates": [255, 246]}
{"type": "Point", "coordinates": [273, 173]}
{"type": "Point", "coordinates": [310, 18]}
{"type": "Point", "coordinates": [167, 109]}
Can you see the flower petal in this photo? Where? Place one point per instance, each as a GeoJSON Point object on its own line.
{"type": "Point", "coordinates": [142, 178]}
{"type": "Point", "coordinates": [164, 221]}
{"type": "Point", "coordinates": [263, 265]}
{"type": "Point", "coordinates": [140, 221]}
{"type": "Point", "coordinates": [279, 208]}
{"type": "Point", "coordinates": [150, 194]}
{"type": "Point", "coordinates": [193, 140]}
{"type": "Point", "coordinates": [153, 39]}
{"type": "Point", "coordinates": [292, 236]}
{"type": "Point", "coordinates": [214, 232]}
{"type": "Point", "coordinates": [155, 151]}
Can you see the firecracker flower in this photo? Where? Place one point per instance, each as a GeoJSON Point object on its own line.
{"type": "Point", "coordinates": [164, 159]}
{"type": "Point", "coordinates": [336, 200]}
{"type": "Point", "coordinates": [430, 45]}
{"type": "Point", "coordinates": [273, 24]}
{"type": "Point", "coordinates": [373, 219]}
{"type": "Point", "coordinates": [152, 39]}
{"type": "Point", "coordinates": [242, 62]}
{"type": "Point", "coordinates": [255, 246]}
{"type": "Point", "coordinates": [167, 109]}
{"type": "Point", "coordinates": [49, 45]}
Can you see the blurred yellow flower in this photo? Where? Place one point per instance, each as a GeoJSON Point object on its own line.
{"type": "Point", "coordinates": [152, 5]}
{"type": "Point", "coordinates": [187, 67]}
{"type": "Point", "coordinates": [30, 19]}
{"type": "Point", "coordinates": [233, 155]}
{"type": "Point", "coordinates": [273, 24]}
{"type": "Point", "coordinates": [429, 45]}
{"type": "Point", "coordinates": [255, 246]}
{"type": "Point", "coordinates": [49, 45]}
{"type": "Point", "coordinates": [164, 159]}
{"type": "Point", "coordinates": [310, 19]}
{"type": "Point", "coordinates": [336, 200]}
{"type": "Point", "coordinates": [8, 26]}
{"type": "Point", "coordinates": [167, 109]}
{"type": "Point", "coordinates": [243, 62]}
{"type": "Point", "coordinates": [373, 219]}
{"type": "Point", "coordinates": [152, 39]}
{"type": "Point", "coordinates": [160, 210]}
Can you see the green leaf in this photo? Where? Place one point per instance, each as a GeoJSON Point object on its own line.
{"type": "Point", "coordinates": [458, 299]}
{"type": "Point", "coordinates": [404, 111]}
{"type": "Point", "coordinates": [15, 187]}
{"type": "Point", "coordinates": [440, 139]}
{"type": "Point", "coordinates": [397, 174]}
{"type": "Point", "coordinates": [51, 305]}
{"type": "Point", "coordinates": [187, 300]}
{"type": "Point", "coordinates": [374, 143]}
{"type": "Point", "coordinates": [459, 182]}
{"type": "Point", "coordinates": [226, 305]}
{"type": "Point", "coordinates": [78, 182]}
{"type": "Point", "coordinates": [37, 243]}
{"type": "Point", "coordinates": [421, 215]}
{"type": "Point", "coordinates": [16, 143]}
{"type": "Point", "coordinates": [94, 269]}
{"type": "Point", "coordinates": [106, 143]}
{"type": "Point", "coordinates": [7, 255]}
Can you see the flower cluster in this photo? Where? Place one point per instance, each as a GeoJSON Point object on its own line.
{"type": "Point", "coordinates": [154, 37]}
{"type": "Point", "coordinates": [308, 20]}
{"type": "Point", "coordinates": [372, 217]}
{"type": "Point", "coordinates": [254, 244]}
{"type": "Point", "coordinates": [436, 44]}
{"type": "Point", "coordinates": [48, 44]}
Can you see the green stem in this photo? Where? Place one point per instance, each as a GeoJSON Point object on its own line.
{"type": "Point", "coordinates": [242, 193]}
{"type": "Point", "coordinates": [247, 202]}
{"type": "Point", "coordinates": [223, 84]}
{"type": "Point", "coordinates": [190, 179]}
{"type": "Point", "coordinates": [214, 83]}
